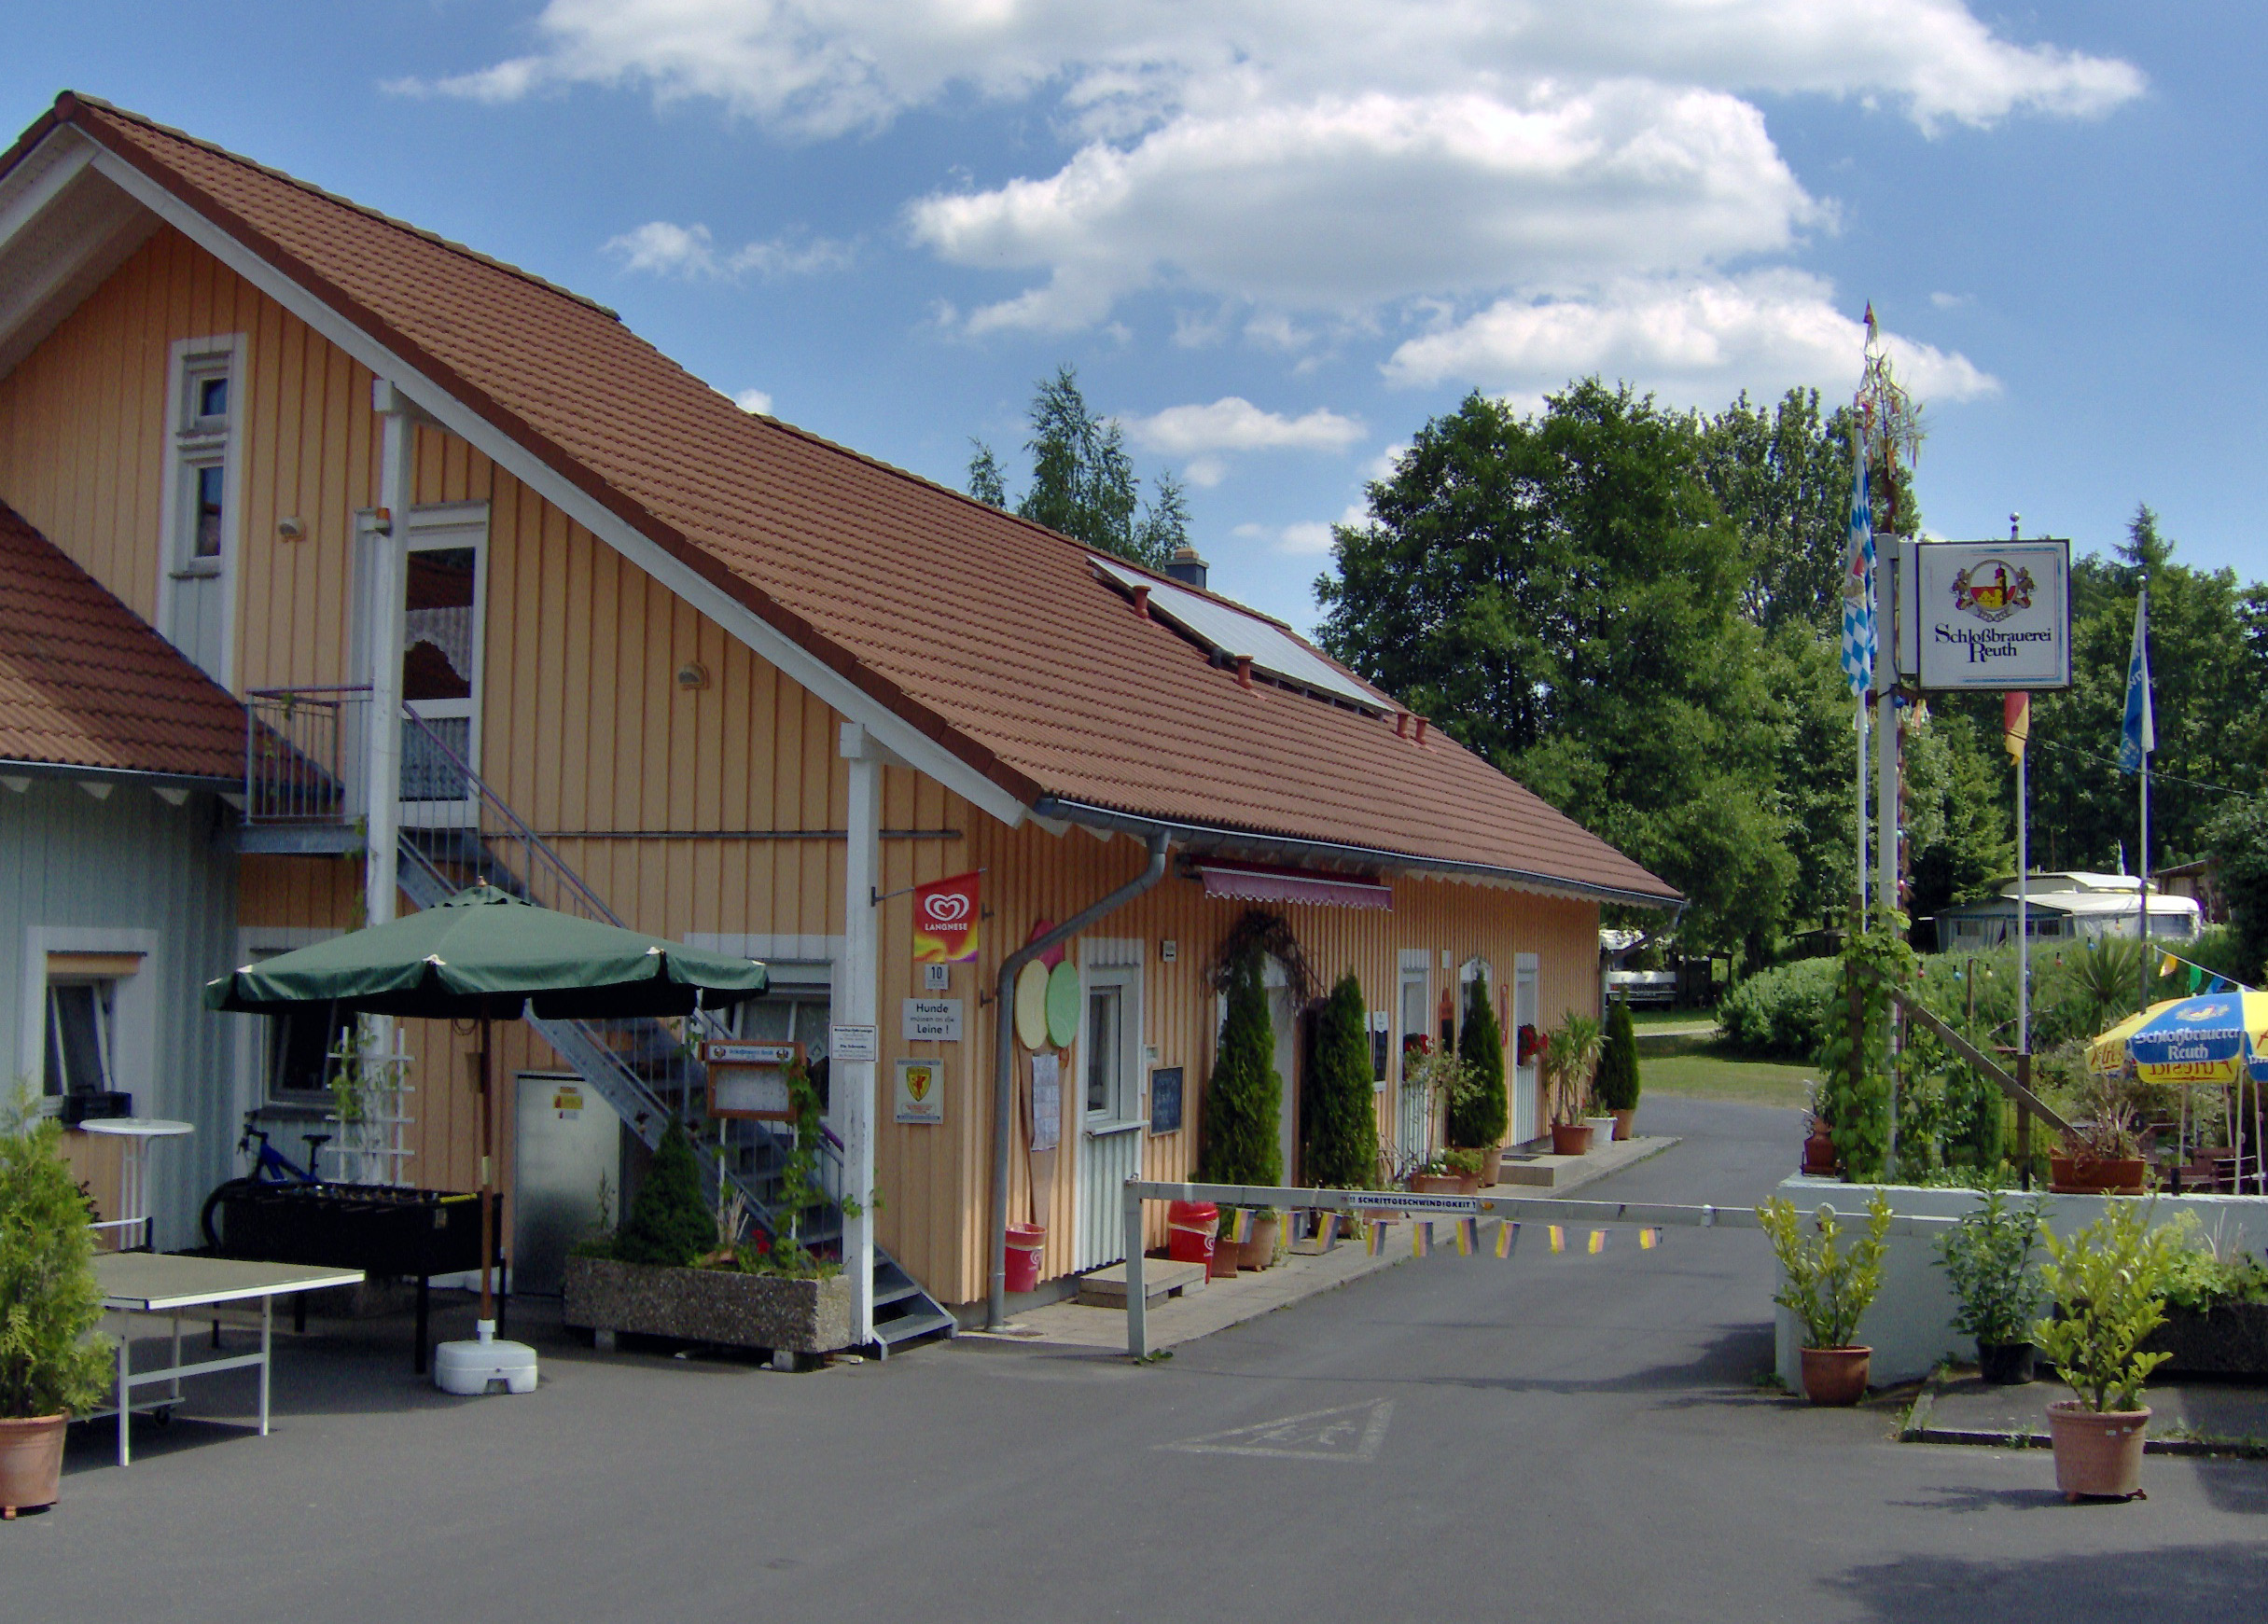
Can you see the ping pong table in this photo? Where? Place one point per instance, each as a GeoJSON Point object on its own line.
{"type": "Point", "coordinates": [152, 1283]}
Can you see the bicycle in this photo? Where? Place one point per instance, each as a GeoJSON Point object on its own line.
{"type": "Point", "coordinates": [270, 1170]}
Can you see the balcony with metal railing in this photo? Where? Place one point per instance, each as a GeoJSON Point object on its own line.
{"type": "Point", "coordinates": [304, 754]}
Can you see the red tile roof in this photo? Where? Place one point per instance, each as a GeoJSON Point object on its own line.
{"type": "Point", "coordinates": [990, 633]}
{"type": "Point", "coordinates": [84, 682]}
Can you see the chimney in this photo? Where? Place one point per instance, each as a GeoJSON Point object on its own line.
{"type": "Point", "coordinates": [1187, 567]}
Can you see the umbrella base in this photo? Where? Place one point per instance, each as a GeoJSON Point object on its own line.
{"type": "Point", "coordinates": [471, 1369]}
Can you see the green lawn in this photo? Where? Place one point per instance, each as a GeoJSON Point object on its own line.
{"type": "Point", "coordinates": [1656, 1020]}
{"type": "Point", "coordinates": [1696, 1067]}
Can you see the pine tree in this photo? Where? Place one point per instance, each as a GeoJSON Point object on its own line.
{"type": "Point", "coordinates": [1478, 1119]}
{"type": "Point", "coordinates": [50, 1302]}
{"type": "Point", "coordinates": [1343, 1110]}
{"type": "Point", "coordinates": [1616, 1083]}
{"type": "Point", "coordinates": [1241, 1100]}
{"type": "Point", "coordinates": [669, 1223]}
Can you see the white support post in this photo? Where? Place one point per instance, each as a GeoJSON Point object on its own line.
{"type": "Point", "coordinates": [397, 476]}
{"type": "Point", "coordinates": [851, 1082]}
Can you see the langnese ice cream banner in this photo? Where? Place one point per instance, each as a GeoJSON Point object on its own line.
{"type": "Point", "coordinates": [945, 915]}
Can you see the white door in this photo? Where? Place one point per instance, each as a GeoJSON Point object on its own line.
{"type": "Point", "coordinates": [1283, 1023]}
{"type": "Point", "coordinates": [1105, 1066]}
{"type": "Point", "coordinates": [1526, 1005]}
{"type": "Point", "coordinates": [1417, 1018]}
{"type": "Point", "coordinates": [443, 586]}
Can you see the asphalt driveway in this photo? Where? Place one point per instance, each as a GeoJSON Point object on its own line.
{"type": "Point", "coordinates": [1569, 1438]}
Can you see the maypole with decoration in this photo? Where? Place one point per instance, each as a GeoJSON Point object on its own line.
{"type": "Point", "coordinates": [1888, 426]}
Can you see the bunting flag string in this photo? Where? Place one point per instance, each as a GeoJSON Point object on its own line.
{"type": "Point", "coordinates": [1507, 1237]}
{"type": "Point", "coordinates": [1465, 1235]}
{"type": "Point", "coordinates": [1421, 1238]}
{"type": "Point", "coordinates": [1648, 1239]}
{"type": "Point", "coordinates": [1559, 1238]}
{"type": "Point", "coordinates": [1468, 1237]}
{"type": "Point", "coordinates": [1375, 1240]}
{"type": "Point", "coordinates": [1240, 1229]}
{"type": "Point", "coordinates": [1598, 1243]}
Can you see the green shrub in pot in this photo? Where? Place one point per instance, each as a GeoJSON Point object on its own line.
{"type": "Point", "coordinates": [1988, 1255]}
{"type": "Point", "coordinates": [2108, 1283]}
{"type": "Point", "coordinates": [53, 1365]}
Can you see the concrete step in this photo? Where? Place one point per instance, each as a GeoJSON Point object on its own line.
{"type": "Point", "coordinates": [1525, 1172]}
{"type": "Point", "coordinates": [1162, 1278]}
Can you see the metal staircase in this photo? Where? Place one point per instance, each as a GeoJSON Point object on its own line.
{"type": "Point", "coordinates": [646, 1069]}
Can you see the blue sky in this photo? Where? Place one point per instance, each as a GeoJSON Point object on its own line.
{"type": "Point", "coordinates": [1275, 239]}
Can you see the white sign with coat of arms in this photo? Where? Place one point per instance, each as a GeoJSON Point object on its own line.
{"type": "Point", "coordinates": [1989, 616]}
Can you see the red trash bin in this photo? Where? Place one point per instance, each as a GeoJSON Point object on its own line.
{"type": "Point", "coordinates": [1190, 1229]}
{"type": "Point", "coordinates": [1025, 1242]}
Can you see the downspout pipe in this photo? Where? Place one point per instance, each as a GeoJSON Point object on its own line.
{"type": "Point", "coordinates": [1004, 1054]}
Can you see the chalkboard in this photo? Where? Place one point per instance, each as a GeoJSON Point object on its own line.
{"type": "Point", "coordinates": [1165, 1100]}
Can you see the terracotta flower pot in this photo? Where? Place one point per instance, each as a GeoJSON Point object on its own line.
{"type": "Point", "coordinates": [1260, 1252]}
{"type": "Point", "coordinates": [1437, 1183]}
{"type": "Point", "coordinates": [1570, 1139]}
{"type": "Point", "coordinates": [1836, 1376]}
{"type": "Point", "coordinates": [1492, 1165]}
{"type": "Point", "coordinates": [1222, 1264]}
{"type": "Point", "coordinates": [1820, 1151]}
{"type": "Point", "coordinates": [2098, 1454]}
{"type": "Point", "coordinates": [31, 1462]}
{"type": "Point", "coordinates": [2079, 1175]}
{"type": "Point", "coordinates": [1623, 1120]}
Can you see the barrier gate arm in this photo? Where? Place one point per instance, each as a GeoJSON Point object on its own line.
{"type": "Point", "coordinates": [1650, 1215]}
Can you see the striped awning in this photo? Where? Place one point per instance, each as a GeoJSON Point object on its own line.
{"type": "Point", "coordinates": [1254, 882]}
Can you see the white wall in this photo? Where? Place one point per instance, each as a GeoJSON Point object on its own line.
{"type": "Point", "coordinates": [1910, 1326]}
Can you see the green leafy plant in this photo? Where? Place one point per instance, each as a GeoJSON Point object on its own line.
{"type": "Point", "coordinates": [52, 1362]}
{"type": "Point", "coordinates": [1988, 1255]}
{"type": "Point", "coordinates": [784, 1253]}
{"type": "Point", "coordinates": [1342, 1107]}
{"type": "Point", "coordinates": [2208, 1270]}
{"type": "Point", "coordinates": [1463, 1161]}
{"type": "Point", "coordinates": [1617, 1084]}
{"type": "Point", "coordinates": [1827, 1288]}
{"type": "Point", "coordinates": [1859, 1105]}
{"type": "Point", "coordinates": [1243, 1095]}
{"type": "Point", "coordinates": [1570, 1059]}
{"type": "Point", "coordinates": [1481, 1118]}
{"type": "Point", "coordinates": [669, 1221]}
{"type": "Point", "coordinates": [2108, 1284]}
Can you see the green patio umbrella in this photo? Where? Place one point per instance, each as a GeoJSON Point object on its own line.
{"type": "Point", "coordinates": [485, 955]}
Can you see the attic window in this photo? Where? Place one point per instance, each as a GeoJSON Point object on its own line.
{"type": "Point", "coordinates": [1232, 635]}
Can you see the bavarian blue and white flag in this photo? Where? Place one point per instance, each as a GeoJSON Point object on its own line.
{"type": "Point", "coordinates": [2141, 735]}
{"type": "Point", "coordinates": [1858, 581]}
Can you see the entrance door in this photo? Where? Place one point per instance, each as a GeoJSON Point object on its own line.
{"type": "Point", "coordinates": [442, 593]}
{"type": "Point", "coordinates": [1105, 1066]}
{"type": "Point", "coordinates": [1412, 1118]}
{"type": "Point", "coordinates": [1284, 1023]}
{"type": "Point", "coordinates": [1526, 1007]}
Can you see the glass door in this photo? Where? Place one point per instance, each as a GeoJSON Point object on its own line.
{"type": "Point", "coordinates": [440, 671]}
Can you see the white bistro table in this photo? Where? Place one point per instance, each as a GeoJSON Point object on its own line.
{"type": "Point", "coordinates": [132, 1224]}
{"type": "Point", "coordinates": [153, 1283]}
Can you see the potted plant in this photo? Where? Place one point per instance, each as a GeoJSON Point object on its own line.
{"type": "Point", "coordinates": [680, 1268]}
{"type": "Point", "coordinates": [1478, 1119]}
{"type": "Point", "coordinates": [1241, 1106]}
{"type": "Point", "coordinates": [1988, 1255]}
{"type": "Point", "coordinates": [2215, 1305]}
{"type": "Point", "coordinates": [1617, 1084]}
{"type": "Point", "coordinates": [1819, 1158]}
{"type": "Point", "coordinates": [52, 1364]}
{"type": "Point", "coordinates": [1442, 1078]}
{"type": "Point", "coordinates": [2103, 1152]}
{"type": "Point", "coordinates": [2109, 1285]}
{"type": "Point", "coordinates": [1570, 1055]}
{"type": "Point", "coordinates": [1828, 1290]}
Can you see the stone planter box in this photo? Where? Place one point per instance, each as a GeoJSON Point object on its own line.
{"type": "Point", "coordinates": [708, 1305]}
{"type": "Point", "coordinates": [2230, 1339]}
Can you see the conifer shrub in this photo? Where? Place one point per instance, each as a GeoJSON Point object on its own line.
{"type": "Point", "coordinates": [51, 1362]}
{"type": "Point", "coordinates": [1343, 1108]}
{"type": "Point", "coordinates": [1616, 1087]}
{"type": "Point", "coordinates": [1479, 1118]}
{"type": "Point", "coordinates": [1242, 1098]}
{"type": "Point", "coordinates": [669, 1221]}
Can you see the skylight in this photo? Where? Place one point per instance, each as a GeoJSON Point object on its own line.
{"type": "Point", "coordinates": [1230, 632]}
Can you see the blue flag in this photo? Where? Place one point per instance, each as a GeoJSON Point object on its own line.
{"type": "Point", "coordinates": [1858, 581]}
{"type": "Point", "coordinates": [2140, 736]}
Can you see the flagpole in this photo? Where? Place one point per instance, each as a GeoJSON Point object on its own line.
{"type": "Point", "coordinates": [2148, 741]}
{"type": "Point", "coordinates": [2023, 900]}
{"type": "Point", "coordinates": [1863, 812]}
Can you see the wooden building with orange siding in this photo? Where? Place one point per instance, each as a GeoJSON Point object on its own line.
{"type": "Point", "coordinates": [742, 687]}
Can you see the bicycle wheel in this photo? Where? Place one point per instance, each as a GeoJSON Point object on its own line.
{"type": "Point", "coordinates": [221, 1192]}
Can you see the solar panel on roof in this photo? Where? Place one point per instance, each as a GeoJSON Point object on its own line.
{"type": "Point", "coordinates": [1235, 631]}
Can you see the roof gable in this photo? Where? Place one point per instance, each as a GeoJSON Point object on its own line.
{"type": "Point", "coordinates": [85, 682]}
{"type": "Point", "coordinates": [992, 637]}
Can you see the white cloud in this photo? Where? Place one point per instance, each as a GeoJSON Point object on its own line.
{"type": "Point", "coordinates": [1306, 538]}
{"type": "Point", "coordinates": [1528, 163]}
{"type": "Point", "coordinates": [664, 248]}
{"type": "Point", "coordinates": [756, 400]}
{"type": "Point", "coordinates": [1694, 341]}
{"type": "Point", "coordinates": [1233, 423]}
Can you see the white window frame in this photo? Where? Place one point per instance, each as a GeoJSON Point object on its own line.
{"type": "Point", "coordinates": [105, 990]}
{"type": "Point", "coordinates": [193, 443]}
{"type": "Point", "coordinates": [253, 1034]}
{"type": "Point", "coordinates": [1416, 970]}
{"type": "Point", "coordinates": [1112, 962]}
{"type": "Point", "coordinates": [134, 1009]}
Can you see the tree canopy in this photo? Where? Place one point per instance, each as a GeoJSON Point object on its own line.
{"type": "Point", "coordinates": [1083, 483]}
